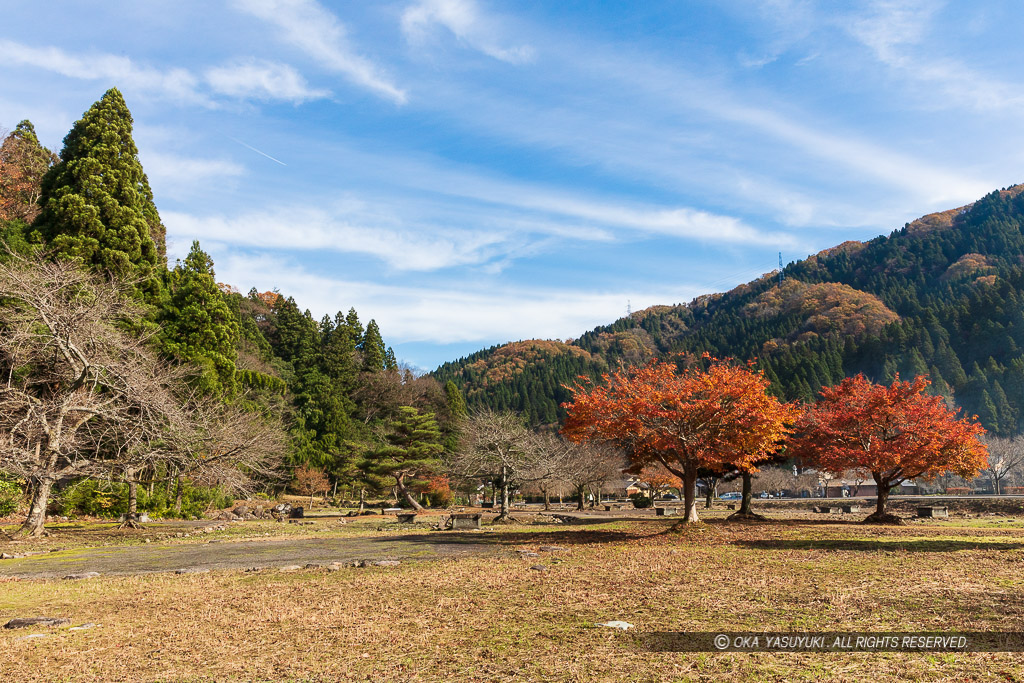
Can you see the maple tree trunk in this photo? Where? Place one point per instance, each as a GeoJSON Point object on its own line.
{"type": "Point", "coordinates": [34, 523]}
{"type": "Point", "coordinates": [690, 495]}
{"type": "Point", "coordinates": [580, 494]}
{"type": "Point", "coordinates": [883, 500]}
{"type": "Point", "coordinates": [748, 493]}
{"type": "Point", "coordinates": [547, 500]}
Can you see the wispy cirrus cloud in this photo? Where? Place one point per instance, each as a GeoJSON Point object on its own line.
{"type": "Point", "coordinates": [458, 312]}
{"type": "Point", "coordinates": [260, 79]}
{"type": "Point", "coordinates": [311, 28]}
{"type": "Point", "coordinates": [465, 20]}
{"type": "Point", "coordinates": [241, 79]}
{"type": "Point", "coordinates": [175, 83]}
{"type": "Point", "coordinates": [897, 33]}
{"type": "Point", "coordinates": [176, 176]}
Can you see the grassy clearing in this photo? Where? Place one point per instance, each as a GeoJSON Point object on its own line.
{"type": "Point", "coordinates": [491, 617]}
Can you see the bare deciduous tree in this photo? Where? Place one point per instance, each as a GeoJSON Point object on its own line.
{"type": "Point", "coordinates": [83, 397]}
{"type": "Point", "coordinates": [590, 467]}
{"type": "Point", "coordinates": [497, 447]}
{"type": "Point", "coordinates": [310, 481]}
{"type": "Point", "coordinates": [1005, 456]}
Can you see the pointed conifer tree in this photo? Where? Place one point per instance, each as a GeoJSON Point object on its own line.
{"type": "Point", "coordinates": [374, 352]}
{"type": "Point", "coordinates": [198, 325]}
{"type": "Point", "coordinates": [96, 203]}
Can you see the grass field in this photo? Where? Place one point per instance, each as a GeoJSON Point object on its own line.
{"type": "Point", "coordinates": [491, 617]}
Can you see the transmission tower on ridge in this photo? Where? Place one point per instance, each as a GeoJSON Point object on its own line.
{"type": "Point", "coordinates": [780, 269]}
{"type": "Point", "coordinates": [629, 309]}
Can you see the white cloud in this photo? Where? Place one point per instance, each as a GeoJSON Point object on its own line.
{"type": "Point", "coordinates": [253, 79]}
{"type": "Point", "coordinates": [465, 21]}
{"type": "Point", "coordinates": [314, 30]}
{"type": "Point", "coordinates": [466, 312]}
{"type": "Point", "coordinates": [178, 84]}
{"type": "Point", "coordinates": [342, 231]}
{"type": "Point", "coordinates": [176, 176]}
{"type": "Point", "coordinates": [896, 31]}
{"type": "Point", "coordinates": [261, 80]}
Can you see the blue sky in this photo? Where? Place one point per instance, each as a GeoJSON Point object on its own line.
{"type": "Point", "coordinates": [470, 172]}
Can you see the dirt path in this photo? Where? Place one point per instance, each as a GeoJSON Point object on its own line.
{"type": "Point", "coordinates": [141, 559]}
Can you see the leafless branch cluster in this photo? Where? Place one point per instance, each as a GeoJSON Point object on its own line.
{"type": "Point", "coordinates": [82, 395]}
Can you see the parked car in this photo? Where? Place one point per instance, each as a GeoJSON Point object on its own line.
{"type": "Point", "coordinates": [670, 496]}
{"type": "Point", "coordinates": [732, 495]}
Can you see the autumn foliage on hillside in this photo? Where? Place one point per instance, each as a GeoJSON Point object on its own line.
{"type": "Point", "coordinates": [827, 308]}
{"type": "Point", "coordinates": [511, 359]}
{"type": "Point", "coordinates": [716, 417]}
{"type": "Point", "coordinates": [968, 264]}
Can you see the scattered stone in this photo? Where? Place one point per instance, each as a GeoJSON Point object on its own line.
{"type": "Point", "coordinates": [553, 549]}
{"type": "Point", "coordinates": [527, 553]}
{"type": "Point", "coordinates": [621, 625]}
{"type": "Point", "coordinates": [6, 556]}
{"type": "Point", "coordinates": [149, 540]}
{"type": "Point", "coordinates": [34, 635]}
{"type": "Point", "coordinates": [539, 568]}
{"type": "Point", "coordinates": [385, 563]}
{"type": "Point", "coordinates": [86, 575]}
{"type": "Point", "coordinates": [25, 622]}
{"type": "Point", "coordinates": [291, 568]}
{"type": "Point", "coordinates": [215, 540]}
{"type": "Point", "coordinates": [83, 627]}
{"type": "Point", "coordinates": [297, 513]}
{"type": "Point", "coordinates": [254, 569]}
{"type": "Point", "coordinates": [240, 511]}
{"type": "Point", "coordinates": [313, 565]}
{"type": "Point", "coordinates": [192, 570]}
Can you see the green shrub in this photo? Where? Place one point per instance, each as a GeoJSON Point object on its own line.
{"type": "Point", "coordinates": [640, 500]}
{"type": "Point", "coordinates": [110, 499]}
{"type": "Point", "coordinates": [10, 496]}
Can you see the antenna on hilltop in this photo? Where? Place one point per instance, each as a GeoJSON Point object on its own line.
{"type": "Point", "coordinates": [629, 309]}
{"type": "Point", "coordinates": [780, 269]}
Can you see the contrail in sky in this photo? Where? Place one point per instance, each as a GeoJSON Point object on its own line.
{"type": "Point", "coordinates": [256, 150]}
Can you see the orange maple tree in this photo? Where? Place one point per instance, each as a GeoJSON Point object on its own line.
{"type": "Point", "coordinates": [716, 417]}
{"type": "Point", "coordinates": [896, 432]}
{"type": "Point", "coordinates": [658, 479]}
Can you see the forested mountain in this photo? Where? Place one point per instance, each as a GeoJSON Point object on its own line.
{"type": "Point", "coordinates": [941, 296]}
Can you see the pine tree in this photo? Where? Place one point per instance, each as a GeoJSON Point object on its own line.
{"type": "Point", "coordinates": [96, 202]}
{"type": "Point", "coordinates": [409, 452]}
{"type": "Point", "coordinates": [198, 325]}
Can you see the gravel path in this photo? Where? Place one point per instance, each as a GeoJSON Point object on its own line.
{"type": "Point", "coordinates": [156, 557]}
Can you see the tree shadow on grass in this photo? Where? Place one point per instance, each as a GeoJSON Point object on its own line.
{"type": "Point", "coordinates": [573, 535]}
{"type": "Point", "coordinates": [865, 545]}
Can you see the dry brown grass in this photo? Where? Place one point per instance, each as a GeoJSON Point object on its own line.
{"type": "Point", "coordinates": [487, 618]}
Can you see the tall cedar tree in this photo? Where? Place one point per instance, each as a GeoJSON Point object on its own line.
{"type": "Point", "coordinates": [686, 419]}
{"type": "Point", "coordinates": [374, 351]}
{"type": "Point", "coordinates": [896, 432]}
{"type": "Point", "coordinates": [198, 325]}
{"type": "Point", "coordinates": [409, 453]}
{"type": "Point", "coordinates": [23, 163]}
{"type": "Point", "coordinates": [96, 202]}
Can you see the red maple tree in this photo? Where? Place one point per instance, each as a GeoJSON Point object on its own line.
{"type": "Point", "coordinates": [896, 432]}
{"type": "Point", "coordinates": [685, 419]}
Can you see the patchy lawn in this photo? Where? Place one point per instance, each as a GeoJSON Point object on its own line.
{"type": "Point", "coordinates": [490, 616]}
